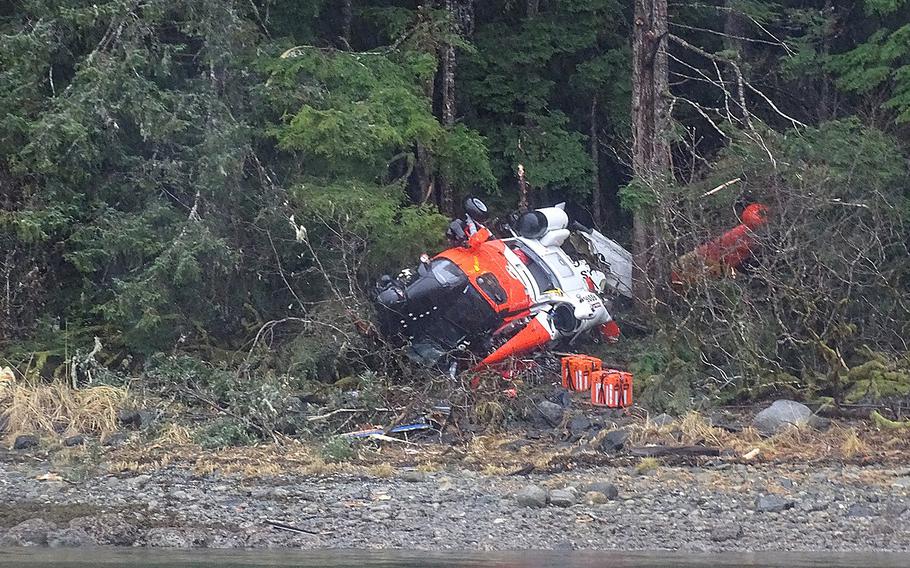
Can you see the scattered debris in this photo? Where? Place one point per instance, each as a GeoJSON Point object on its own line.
{"type": "Point", "coordinates": [751, 454]}
{"type": "Point", "coordinates": [382, 433]}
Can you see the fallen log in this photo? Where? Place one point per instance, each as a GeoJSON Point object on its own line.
{"type": "Point", "coordinates": [662, 451]}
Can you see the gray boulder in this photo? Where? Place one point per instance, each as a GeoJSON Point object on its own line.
{"type": "Point", "coordinates": [562, 498]}
{"type": "Point", "coordinates": [579, 424]}
{"type": "Point", "coordinates": [413, 476]}
{"type": "Point", "coordinates": [662, 420]}
{"type": "Point", "coordinates": [781, 415]}
{"type": "Point", "coordinates": [772, 504]}
{"type": "Point", "coordinates": [607, 489]}
{"type": "Point", "coordinates": [71, 441]}
{"type": "Point", "coordinates": [532, 496]}
{"type": "Point", "coordinates": [551, 412]}
{"type": "Point", "coordinates": [32, 532]}
{"type": "Point", "coordinates": [614, 441]}
{"type": "Point", "coordinates": [595, 498]}
{"type": "Point", "coordinates": [25, 442]}
{"type": "Point", "coordinates": [69, 538]}
{"type": "Point", "coordinates": [108, 529]}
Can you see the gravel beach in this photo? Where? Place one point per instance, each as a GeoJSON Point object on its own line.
{"type": "Point", "coordinates": [730, 507]}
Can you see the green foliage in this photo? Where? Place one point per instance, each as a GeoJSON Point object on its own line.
{"type": "Point", "coordinates": [391, 234]}
{"type": "Point", "coordinates": [637, 196]}
{"type": "Point", "coordinates": [223, 433]}
{"type": "Point", "coordinates": [338, 449]}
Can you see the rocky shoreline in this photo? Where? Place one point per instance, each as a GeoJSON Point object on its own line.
{"type": "Point", "coordinates": [722, 507]}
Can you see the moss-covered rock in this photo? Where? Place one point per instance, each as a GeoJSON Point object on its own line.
{"type": "Point", "coordinates": [878, 379]}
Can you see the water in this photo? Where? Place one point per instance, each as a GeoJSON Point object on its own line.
{"type": "Point", "coordinates": [144, 558]}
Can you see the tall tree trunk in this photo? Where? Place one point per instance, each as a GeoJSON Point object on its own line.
{"type": "Point", "coordinates": [447, 116]}
{"type": "Point", "coordinates": [597, 208]}
{"type": "Point", "coordinates": [461, 16]}
{"type": "Point", "coordinates": [347, 16]}
{"type": "Point", "coordinates": [650, 127]}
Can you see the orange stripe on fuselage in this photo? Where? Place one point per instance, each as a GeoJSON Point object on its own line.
{"type": "Point", "coordinates": [489, 257]}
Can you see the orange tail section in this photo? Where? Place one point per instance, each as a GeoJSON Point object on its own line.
{"type": "Point", "coordinates": [534, 335]}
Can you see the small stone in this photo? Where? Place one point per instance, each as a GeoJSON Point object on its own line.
{"type": "Point", "coordinates": [413, 476]}
{"type": "Point", "coordinates": [551, 412]}
{"type": "Point", "coordinates": [532, 496]}
{"type": "Point", "coordinates": [129, 418]}
{"type": "Point", "coordinates": [726, 532]}
{"type": "Point", "coordinates": [165, 537]}
{"type": "Point", "coordinates": [607, 489]}
{"type": "Point", "coordinates": [812, 506]}
{"type": "Point", "coordinates": [596, 498]}
{"type": "Point", "coordinates": [562, 498]}
{"type": "Point", "coordinates": [25, 442]}
{"type": "Point", "coordinates": [781, 415]}
{"type": "Point", "coordinates": [614, 441]}
{"type": "Point", "coordinates": [662, 420]}
{"type": "Point", "coordinates": [72, 441]}
{"type": "Point", "coordinates": [114, 439]}
{"type": "Point", "coordinates": [772, 504]}
{"type": "Point", "coordinates": [819, 423]}
{"type": "Point", "coordinates": [69, 538]}
{"type": "Point", "coordinates": [860, 510]}
{"type": "Point", "coordinates": [147, 417]}
{"type": "Point", "coordinates": [579, 424]}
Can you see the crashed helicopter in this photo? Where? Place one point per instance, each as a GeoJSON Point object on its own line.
{"type": "Point", "coordinates": [491, 298]}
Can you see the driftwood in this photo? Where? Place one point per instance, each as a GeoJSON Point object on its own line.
{"type": "Point", "coordinates": [286, 527]}
{"type": "Point", "coordinates": [661, 451]}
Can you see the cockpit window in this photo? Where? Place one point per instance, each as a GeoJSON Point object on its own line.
{"type": "Point", "coordinates": [447, 273]}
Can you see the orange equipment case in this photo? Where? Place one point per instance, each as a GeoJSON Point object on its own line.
{"type": "Point", "coordinates": [576, 371]}
{"type": "Point", "coordinates": [611, 388]}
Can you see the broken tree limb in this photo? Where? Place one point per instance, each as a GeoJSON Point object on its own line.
{"type": "Point", "coordinates": [721, 186]}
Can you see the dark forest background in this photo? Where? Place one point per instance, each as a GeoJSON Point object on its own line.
{"type": "Point", "coordinates": [177, 176]}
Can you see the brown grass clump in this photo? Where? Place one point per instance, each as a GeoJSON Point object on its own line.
{"type": "Point", "coordinates": [647, 465]}
{"type": "Point", "coordinates": [57, 408]}
{"type": "Point", "coordinates": [852, 445]}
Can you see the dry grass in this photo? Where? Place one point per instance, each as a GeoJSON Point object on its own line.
{"type": "Point", "coordinates": [852, 446]}
{"type": "Point", "coordinates": [858, 442]}
{"type": "Point", "coordinates": [57, 408]}
{"type": "Point", "coordinates": [647, 465]}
